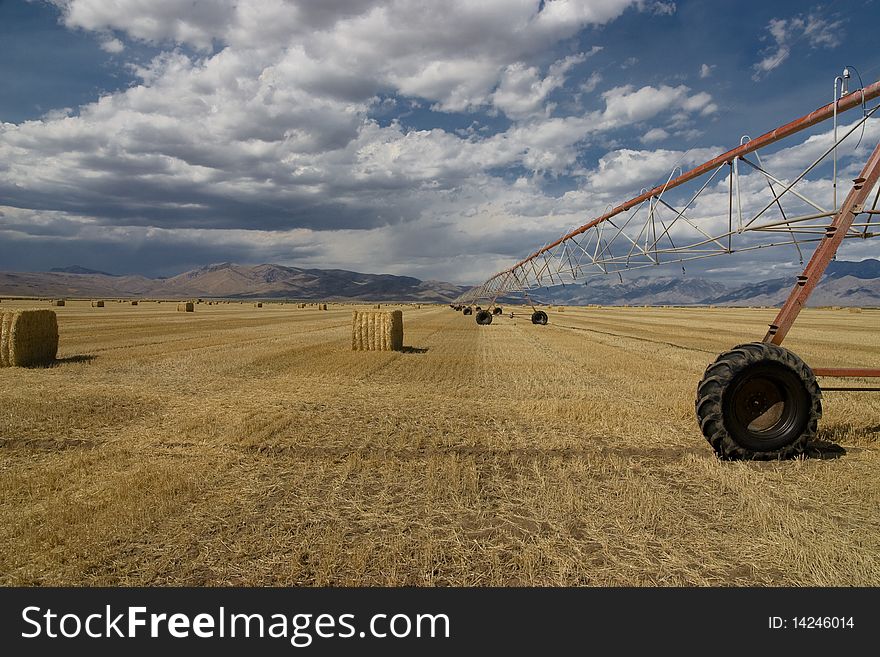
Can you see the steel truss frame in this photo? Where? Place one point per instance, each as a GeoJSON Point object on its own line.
{"type": "Point", "coordinates": [651, 230]}
{"type": "Point", "coordinates": [634, 235]}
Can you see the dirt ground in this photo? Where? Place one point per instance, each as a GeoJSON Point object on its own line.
{"type": "Point", "coordinates": [250, 446]}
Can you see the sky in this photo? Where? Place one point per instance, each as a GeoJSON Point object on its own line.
{"type": "Point", "coordinates": [442, 140]}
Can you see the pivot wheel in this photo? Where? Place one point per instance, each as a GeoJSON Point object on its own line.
{"type": "Point", "coordinates": [484, 317]}
{"type": "Point", "coordinates": [467, 310]}
{"type": "Point", "coordinates": [539, 317]}
{"type": "Point", "coordinates": [758, 401]}
{"type": "Point", "coordinates": [497, 310]}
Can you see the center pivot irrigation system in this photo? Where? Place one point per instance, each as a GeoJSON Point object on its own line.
{"type": "Point", "coordinates": [758, 400]}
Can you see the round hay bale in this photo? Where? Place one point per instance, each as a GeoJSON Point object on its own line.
{"type": "Point", "coordinates": [134, 303]}
{"type": "Point", "coordinates": [258, 305]}
{"type": "Point", "coordinates": [97, 304]}
{"type": "Point", "coordinates": [377, 331]}
{"type": "Point", "coordinates": [57, 302]}
{"type": "Point", "coordinates": [28, 338]}
{"type": "Point", "coordinates": [186, 307]}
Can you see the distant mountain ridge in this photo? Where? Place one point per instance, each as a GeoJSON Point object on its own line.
{"type": "Point", "coordinates": [845, 283]}
{"type": "Point", "coordinates": [228, 280]}
{"type": "Point", "coordinates": [76, 269]}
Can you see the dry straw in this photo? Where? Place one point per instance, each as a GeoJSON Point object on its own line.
{"type": "Point", "coordinates": [186, 307]}
{"type": "Point", "coordinates": [377, 331]}
{"type": "Point", "coordinates": [97, 304]}
{"type": "Point", "coordinates": [28, 337]}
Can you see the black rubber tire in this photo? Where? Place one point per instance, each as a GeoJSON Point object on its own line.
{"type": "Point", "coordinates": [539, 317]}
{"type": "Point", "coordinates": [484, 317]}
{"type": "Point", "coordinates": [467, 310]}
{"type": "Point", "coordinates": [497, 310]}
{"type": "Point", "coordinates": [744, 385]}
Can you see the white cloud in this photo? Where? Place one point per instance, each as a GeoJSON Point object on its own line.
{"type": "Point", "coordinates": [658, 8]}
{"type": "Point", "coordinates": [522, 90]}
{"type": "Point", "coordinates": [589, 85]}
{"type": "Point", "coordinates": [197, 22]}
{"type": "Point", "coordinates": [706, 70]}
{"type": "Point", "coordinates": [451, 53]}
{"type": "Point", "coordinates": [112, 45]}
{"type": "Point", "coordinates": [628, 105]}
{"type": "Point", "coordinates": [819, 32]}
{"type": "Point", "coordinates": [627, 170]}
{"type": "Point", "coordinates": [654, 134]}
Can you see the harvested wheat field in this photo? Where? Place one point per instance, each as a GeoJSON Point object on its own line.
{"type": "Point", "coordinates": [244, 447]}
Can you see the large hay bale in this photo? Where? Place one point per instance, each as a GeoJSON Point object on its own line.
{"type": "Point", "coordinates": [28, 337]}
{"type": "Point", "coordinates": [323, 306]}
{"type": "Point", "coordinates": [134, 303]}
{"type": "Point", "coordinates": [97, 304]}
{"type": "Point", "coordinates": [258, 305]}
{"type": "Point", "coordinates": [377, 331]}
{"type": "Point", "coordinates": [57, 302]}
{"type": "Point", "coordinates": [186, 307]}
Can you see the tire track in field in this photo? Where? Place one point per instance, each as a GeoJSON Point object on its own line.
{"type": "Point", "coordinates": [633, 337]}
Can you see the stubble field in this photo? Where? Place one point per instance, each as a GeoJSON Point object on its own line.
{"type": "Point", "coordinates": [246, 446]}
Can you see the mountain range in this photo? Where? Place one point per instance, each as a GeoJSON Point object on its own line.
{"type": "Point", "coordinates": [231, 281]}
{"type": "Point", "coordinates": [845, 283]}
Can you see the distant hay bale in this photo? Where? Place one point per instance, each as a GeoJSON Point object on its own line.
{"type": "Point", "coordinates": [855, 310]}
{"type": "Point", "coordinates": [186, 307]}
{"type": "Point", "coordinates": [377, 331]}
{"type": "Point", "coordinates": [57, 302]}
{"type": "Point", "coordinates": [28, 337]}
{"type": "Point", "coordinates": [258, 305]}
{"type": "Point", "coordinates": [134, 303]}
{"type": "Point", "coordinates": [323, 306]}
{"type": "Point", "coordinates": [97, 304]}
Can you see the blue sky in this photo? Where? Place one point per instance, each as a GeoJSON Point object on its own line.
{"type": "Point", "coordinates": [438, 140]}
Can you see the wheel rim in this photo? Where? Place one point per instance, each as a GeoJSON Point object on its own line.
{"type": "Point", "coordinates": [766, 406]}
